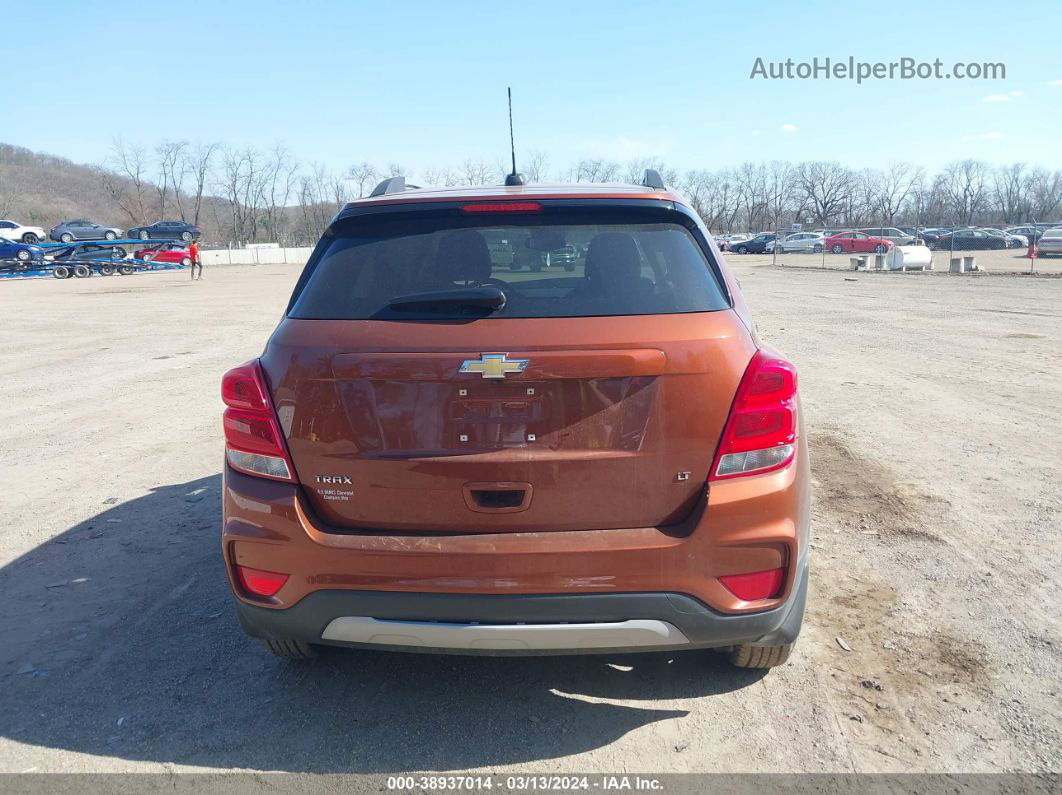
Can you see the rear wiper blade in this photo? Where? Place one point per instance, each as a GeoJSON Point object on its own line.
{"type": "Point", "coordinates": [490, 298]}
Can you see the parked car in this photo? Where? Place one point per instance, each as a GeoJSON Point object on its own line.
{"type": "Point", "coordinates": [726, 241]}
{"type": "Point", "coordinates": [172, 252]}
{"type": "Point", "coordinates": [798, 241]}
{"type": "Point", "coordinates": [968, 240]}
{"type": "Point", "coordinates": [565, 500]}
{"type": "Point", "coordinates": [1050, 243]}
{"type": "Point", "coordinates": [1028, 231]}
{"type": "Point", "coordinates": [856, 242]}
{"type": "Point", "coordinates": [12, 230]}
{"type": "Point", "coordinates": [17, 252]}
{"type": "Point", "coordinates": [754, 245]}
{"type": "Point", "coordinates": [1012, 240]}
{"type": "Point", "coordinates": [895, 236]}
{"type": "Point", "coordinates": [89, 251]}
{"type": "Point", "coordinates": [83, 229]}
{"type": "Point", "coordinates": [166, 230]}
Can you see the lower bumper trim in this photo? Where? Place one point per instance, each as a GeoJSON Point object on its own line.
{"type": "Point", "coordinates": [628, 634]}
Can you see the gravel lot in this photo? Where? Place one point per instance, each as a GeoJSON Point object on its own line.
{"type": "Point", "coordinates": [932, 408]}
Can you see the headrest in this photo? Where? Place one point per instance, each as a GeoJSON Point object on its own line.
{"type": "Point", "coordinates": [463, 256]}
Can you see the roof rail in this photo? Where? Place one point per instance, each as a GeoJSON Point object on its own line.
{"type": "Point", "coordinates": [652, 179]}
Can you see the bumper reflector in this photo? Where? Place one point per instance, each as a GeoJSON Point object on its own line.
{"type": "Point", "coordinates": [260, 583]}
{"type": "Point", "coordinates": [755, 585]}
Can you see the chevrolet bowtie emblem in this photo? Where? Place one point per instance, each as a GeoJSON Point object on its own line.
{"type": "Point", "coordinates": [494, 365]}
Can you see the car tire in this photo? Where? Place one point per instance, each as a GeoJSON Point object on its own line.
{"type": "Point", "coordinates": [125, 270]}
{"type": "Point", "coordinates": [66, 237]}
{"type": "Point", "coordinates": [30, 239]}
{"type": "Point", "coordinates": [186, 236]}
{"type": "Point", "coordinates": [186, 262]}
{"type": "Point", "coordinates": [837, 248]}
{"type": "Point", "coordinates": [144, 234]}
{"type": "Point", "coordinates": [61, 272]}
{"type": "Point", "coordinates": [108, 235]}
{"type": "Point", "coordinates": [23, 255]}
{"type": "Point", "coordinates": [746, 656]}
{"type": "Point", "coordinates": [289, 649]}
{"type": "Point", "coordinates": [106, 270]}
{"type": "Point", "coordinates": [817, 248]}
{"type": "Point", "coordinates": [82, 271]}
{"type": "Point", "coordinates": [742, 250]}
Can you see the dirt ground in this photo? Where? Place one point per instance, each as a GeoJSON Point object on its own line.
{"type": "Point", "coordinates": [932, 642]}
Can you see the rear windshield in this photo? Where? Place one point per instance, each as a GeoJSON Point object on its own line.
{"type": "Point", "coordinates": [544, 269]}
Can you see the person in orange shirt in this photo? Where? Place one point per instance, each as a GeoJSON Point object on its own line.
{"type": "Point", "coordinates": [193, 253]}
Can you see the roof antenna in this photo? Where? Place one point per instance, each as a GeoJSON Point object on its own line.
{"type": "Point", "coordinates": [514, 178]}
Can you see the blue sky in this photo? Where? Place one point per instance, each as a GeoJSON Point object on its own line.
{"type": "Point", "coordinates": [424, 83]}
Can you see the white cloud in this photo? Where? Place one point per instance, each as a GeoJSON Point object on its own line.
{"type": "Point", "coordinates": [988, 136]}
{"type": "Point", "coordinates": [788, 128]}
{"type": "Point", "coordinates": [1054, 82]}
{"type": "Point", "coordinates": [1017, 93]}
{"type": "Point", "coordinates": [755, 132]}
{"type": "Point", "coordinates": [995, 98]}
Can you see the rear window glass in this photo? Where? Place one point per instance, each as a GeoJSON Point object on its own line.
{"type": "Point", "coordinates": [545, 269]}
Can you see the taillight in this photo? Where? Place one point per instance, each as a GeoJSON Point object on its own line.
{"type": "Point", "coordinates": [761, 433]}
{"type": "Point", "coordinates": [755, 585]}
{"type": "Point", "coordinates": [253, 440]}
{"type": "Point", "coordinates": [502, 207]}
{"type": "Point", "coordinates": [260, 583]}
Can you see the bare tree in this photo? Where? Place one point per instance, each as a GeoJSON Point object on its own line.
{"type": "Point", "coordinates": [596, 171]}
{"type": "Point", "coordinates": [281, 174]}
{"type": "Point", "coordinates": [477, 172]}
{"type": "Point", "coordinates": [125, 180]}
{"type": "Point", "coordinates": [198, 162]}
{"type": "Point", "coordinates": [827, 186]}
{"type": "Point", "coordinates": [1045, 188]}
{"type": "Point", "coordinates": [536, 166]}
{"type": "Point", "coordinates": [965, 185]}
{"type": "Point", "coordinates": [364, 175]}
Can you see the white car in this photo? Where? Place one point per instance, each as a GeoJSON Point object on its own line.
{"type": "Point", "coordinates": [799, 241]}
{"type": "Point", "coordinates": [21, 234]}
{"type": "Point", "coordinates": [1013, 240]}
{"type": "Point", "coordinates": [1051, 243]}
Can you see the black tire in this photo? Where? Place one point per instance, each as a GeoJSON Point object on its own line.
{"type": "Point", "coordinates": [880, 248]}
{"type": "Point", "coordinates": [186, 235]}
{"type": "Point", "coordinates": [61, 272]}
{"type": "Point", "coordinates": [66, 237]}
{"type": "Point", "coordinates": [30, 239]}
{"type": "Point", "coordinates": [745, 656]}
{"type": "Point", "coordinates": [186, 262]}
{"type": "Point", "coordinates": [144, 234]}
{"type": "Point", "coordinates": [837, 248]}
{"type": "Point", "coordinates": [289, 649]}
{"type": "Point", "coordinates": [817, 248]}
{"type": "Point", "coordinates": [742, 249]}
{"type": "Point", "coordinates": [125, 270]}
{"type": "Point", "coordinates": [106, 270]}
{"type": "Point", "coordinates": [82, 271]}
{"type": "Point", "coordinates": [109, 235]}
{"type": "Point", "coordinates": [23, 255]}
{"type": "Point", "coordinates": [119, 252]}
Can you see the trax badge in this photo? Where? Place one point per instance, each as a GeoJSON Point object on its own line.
{"type": "Point", "coordinates": [338, 479]}
{"type": "Point", "coordinates": [494, 365]}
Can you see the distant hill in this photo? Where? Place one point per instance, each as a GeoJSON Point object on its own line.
{"type": "Point", "coordinates": [42, 190]}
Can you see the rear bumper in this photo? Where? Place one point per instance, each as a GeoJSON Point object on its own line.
{"type": "Point", "coordinates": [524, 624]}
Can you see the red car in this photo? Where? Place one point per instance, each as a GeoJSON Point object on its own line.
{"type": "Point", "coordinates": [858, 242]}
{"type": "Point", "coordinates": [178, 255]}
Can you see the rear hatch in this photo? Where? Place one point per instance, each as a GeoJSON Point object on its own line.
{"type": "Point", "coordinates": [590, 400]}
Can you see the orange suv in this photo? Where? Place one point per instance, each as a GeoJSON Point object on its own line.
{"type": "Point", "coordinates": [441, 451]}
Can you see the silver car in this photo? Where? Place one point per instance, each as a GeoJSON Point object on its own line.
{"type": "Point", "coordinates": [1051, 243]}
{"type": "Point", "coordinates": [895, 236]}
{"type": "Point", "coordinates": [799, 241]}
